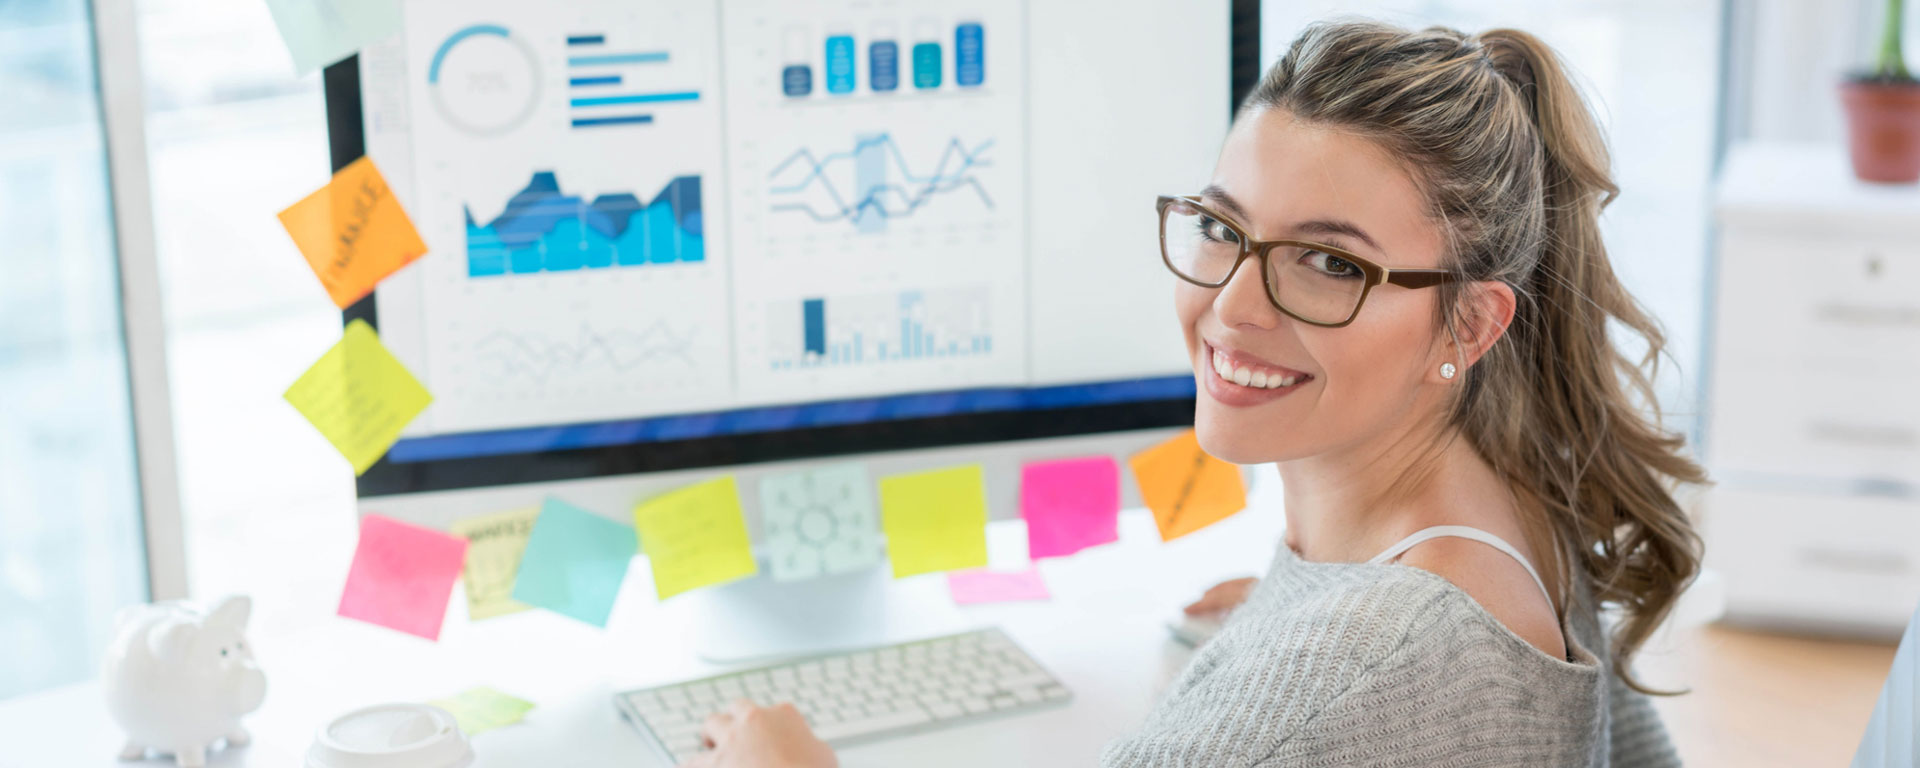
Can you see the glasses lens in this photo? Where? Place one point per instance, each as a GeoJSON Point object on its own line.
{"type": "Point", "coordinates": [1198, 246]}
{"type": "Point", "coordinates": [1316, 285]}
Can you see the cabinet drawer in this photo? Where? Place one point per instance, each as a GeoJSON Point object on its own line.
{"type": "Point", "coordinates": [1825, 423]}
{"type": "Point", "coordinates": [1791, 301]}
{"type": "Point", "coordinates": [1821, 560]}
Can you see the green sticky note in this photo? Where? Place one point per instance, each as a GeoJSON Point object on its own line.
{"type": "Point", "coordinates": [574, 563]}
{"type": "Point", "coordinates": [483, 709]}
{"type": "Point", "coordinates": [494, 545]}
{"type": "Point", "coordinates": [359, 396]}
{"type": "Point", "coordinates": [935, 521]}
{"type": "Point", "coordinates": [321, 32]}
{"type": "Point", "coordinates": [694, 537]}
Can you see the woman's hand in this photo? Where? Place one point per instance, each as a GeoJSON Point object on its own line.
{"type": "Point", "coordinates": [1222, 597]}
{"type": "Point", "coordinates": [749, 736]}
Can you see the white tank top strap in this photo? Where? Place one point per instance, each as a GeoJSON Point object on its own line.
{"type": "Point", "coordinates": [1462, 532]}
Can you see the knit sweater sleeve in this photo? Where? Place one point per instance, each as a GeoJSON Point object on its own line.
{"type": "Point", "coordinates": [1266, 678]}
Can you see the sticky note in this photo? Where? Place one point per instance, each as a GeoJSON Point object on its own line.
{"type": "Point", "coordinates": [353, 232]}
{"type": "Point", "coordinates": [984, 586]}
{"type": "Point", "coordinates": [494, 545]}
{"type": "Point", "coordinates": [695, 537]}
{"type": "Point", "coordinates": [935, 521]}
{"type": "Point", "coordinates": [1187, 489]}
{"type": "Point", "coordinates": [482, 709]}
{"type": "Point", "coordinates": [402, 576]}
{"type": "Point", "coordinates": [819, 521]}
{"type": "Point", "coordinates": [1070, 505]}
{"type": "Point", "coordinates": [321, 32]}
{"type": "Point", "coordinates": [574, 563]}
{"type": "Point", "coordinates": [359, 396]}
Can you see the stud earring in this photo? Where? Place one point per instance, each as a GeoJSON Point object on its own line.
{"type": "Point", "coordinates": [1446, 370]}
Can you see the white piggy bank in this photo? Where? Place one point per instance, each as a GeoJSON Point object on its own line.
{"type": "Point", "coordinates": [179, 677]}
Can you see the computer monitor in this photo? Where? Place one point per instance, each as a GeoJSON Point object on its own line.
{"type": "Point", "coordinates": [669, 240]}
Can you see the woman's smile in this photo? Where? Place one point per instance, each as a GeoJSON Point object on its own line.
{"type": "Point", "coordinates": [1237, 379]}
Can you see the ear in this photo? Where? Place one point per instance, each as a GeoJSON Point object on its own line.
{"type": "Point", "coordinates": [171, 638]}
{"type": "Point", "coordinates": [231, 611]}
{"type": "Point", "coordinates": [1487, 309]}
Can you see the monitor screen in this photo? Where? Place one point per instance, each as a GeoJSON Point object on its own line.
{"type": "Point", "coordinates": [666, 235]}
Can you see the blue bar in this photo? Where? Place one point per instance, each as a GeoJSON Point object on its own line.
{"type": "Point", "coordinates": [588, 122]}
{"type": "Point", "coordinates": [883, 65]}
{"type": "Point", "coordinates": [649, 57]}
{"type": "Point", "coordinates": [969, 55]}
{"type": "Point", "coordinates": [602, 80]}
{"type": "Point", "coordinates": [796, 80]}
{"type": "Point", "coordinates": [840, 64]}
{"type": "Point", "coordinates": [636, 98]}
{"type": "Point", "coordinates": [813, 313]}
{"type": "Point", "coordinates": [586, 39]}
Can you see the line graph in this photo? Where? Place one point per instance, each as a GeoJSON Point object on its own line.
{"type": "Point", "coordinates": [874, 195]}
{"type": "Point", "coordinates": [541, 359]}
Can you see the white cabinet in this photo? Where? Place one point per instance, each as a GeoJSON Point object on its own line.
{"type": "Point", "coordinates": [1813, 418]}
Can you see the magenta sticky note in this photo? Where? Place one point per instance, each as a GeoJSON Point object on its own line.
{"type": "Point", "coordinates": [984, 586]}
{"type": "Point", "coordinates": [1069, 504]}
{"type": "Point", "coordinates": [402, 576]}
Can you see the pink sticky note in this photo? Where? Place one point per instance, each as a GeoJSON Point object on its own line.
{"type": "Point", "coordinates": [402, 576]}
{"type": "Point", "coordinates": [984, 586]}
{"type": "Point", "coordinates": [1069, 505]}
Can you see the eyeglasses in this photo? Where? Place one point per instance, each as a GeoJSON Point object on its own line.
{"type": "Point", "coordinates": [1313, 283]}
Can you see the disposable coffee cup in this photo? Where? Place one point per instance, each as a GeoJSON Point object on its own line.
{"type": "Point", "coordinates": [391, 736]}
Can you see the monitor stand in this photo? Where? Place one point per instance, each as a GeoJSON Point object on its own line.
{"type": "Point", "coordinates": [759, 619]}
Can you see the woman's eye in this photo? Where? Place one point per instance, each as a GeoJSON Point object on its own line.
{"type": "Point", "coordinates": [1330, 264]}
{"type": "Point", "coordinates": [1213, 229]}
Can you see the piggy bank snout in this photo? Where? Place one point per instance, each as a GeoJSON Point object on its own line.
{"type": "Point", "coordinates": [249, 687]}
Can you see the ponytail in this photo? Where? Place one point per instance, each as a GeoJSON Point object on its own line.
{"type": "Point", "coordinates": [1516, 171]}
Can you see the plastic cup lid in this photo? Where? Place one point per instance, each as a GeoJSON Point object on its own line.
{"type": "Point", "coordinates": [391, 736]}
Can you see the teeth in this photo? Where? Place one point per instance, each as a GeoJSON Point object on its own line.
{"type": "Point", "coordinates": [1248, 377]}
{"type": "Point", "coordinates": [1280, 382]}
{"type": "Point", "coordinates": [1242, 376]}
{"type": "Point", "coordinates": [1260, 379]}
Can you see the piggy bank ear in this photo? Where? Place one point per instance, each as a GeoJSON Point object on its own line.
{"type": "Point", "coordinates": [231, 611]}
{"type": "Point", "coordinates": [170, 640]}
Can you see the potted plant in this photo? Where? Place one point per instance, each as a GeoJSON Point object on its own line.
{"type": "Point", "coordinates": [1883, 111]}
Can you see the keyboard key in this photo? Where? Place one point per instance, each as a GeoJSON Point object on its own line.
{"type": "Point", "coordinates": [976, 705]}
{"type": "Point", "coordinates": [866, 726]}
{"type": "Point", "coordinates": [945, 710]}
{"type": "Point", "coordinates": [1004, 701]}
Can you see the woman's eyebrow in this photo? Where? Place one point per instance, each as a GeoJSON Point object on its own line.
{"type": "Point", "coordinates": [1219, 196]}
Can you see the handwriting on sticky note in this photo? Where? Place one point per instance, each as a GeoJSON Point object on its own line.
{"type": "Point", "coordinates": [819, 521]}
{"type": "Point", "coordinates": [320, 32]}
{"type": "Point", "coordinates": [482, 709]}
{"type": "Point", "coordinates": [695, 537]}
{"type": "Point", "coordinates": [494, 545]}
{"type": "Point", "coordinates": [935, 521]}
{"type": "Point", "coordinates": [1187, 489]}
{"type": "Point", "coordinates": [402, 576]}
{"type": "Point", "coordinates": [984, 586]}
{"type": "Point", "coordinates": [359, 396]}
{"type": "Point", "coordinates": [353, 232]}
{"type": "Point", "coordinates": [1070, 505]}
{"type": "Point", "coordinates": [574, 563]}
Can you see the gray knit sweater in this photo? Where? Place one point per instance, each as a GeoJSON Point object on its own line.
{"type": "Point", "coordinates": [1336, 664]}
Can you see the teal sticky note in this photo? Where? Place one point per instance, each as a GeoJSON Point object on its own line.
{"type": "Point", "coordinates": [574, 563]}
{"type": "Point", "coordinates": [321, 32]}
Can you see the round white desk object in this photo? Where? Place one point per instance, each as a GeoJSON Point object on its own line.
{"type": "Point", "coordinates": [391, 736]}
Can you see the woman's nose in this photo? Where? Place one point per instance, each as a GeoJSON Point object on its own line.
{"type": "Point", "coordinates": [1243, 301]}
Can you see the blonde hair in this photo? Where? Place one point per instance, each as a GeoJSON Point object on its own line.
{"type": "Point", "coordinates": [1515, 170]}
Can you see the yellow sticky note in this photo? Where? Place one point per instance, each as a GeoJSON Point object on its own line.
{"type": "Point", "coordinates": [483, 709]}
{"type": "Point", "coordinates": [353, 232]}
{"type": "Point", "coordinates": [494, 545]}
{"type": "Point", "coordinates": [694, 537]}
{"type": "Point", "coordinates": [358, 396]}
{"type": "Point", "coordinates": [935, 521]}
{"type": "Point", "coordinates": [1187, 489]}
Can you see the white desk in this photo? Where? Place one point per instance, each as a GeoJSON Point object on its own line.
{"type": "Point", "coordinates": [1102, 635]}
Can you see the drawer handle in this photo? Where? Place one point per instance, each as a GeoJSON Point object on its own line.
{"type": "Point", "coordinates": [1876, 436]}
{"type": "Point", "coordinates": [1879, 563]}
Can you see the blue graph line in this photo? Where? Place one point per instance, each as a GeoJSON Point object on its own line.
{"type": "Point", "coordinates": [909, 199]}
{"type": "Point", "coordinates": [623, 351]}
{"type": "Point", "coordinates": [602, 80]}
{"type": "Point", "coordinates": [589, 122]}
{"type": "Point", "coordinates": [636, 98]}
{"type": "Point", "coordinates": [586, 39]}
{"type": "Point", "coordinates": [440, 55]}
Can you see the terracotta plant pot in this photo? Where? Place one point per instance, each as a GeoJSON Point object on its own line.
{"type": "Point", "coordinates": [1883, 129]}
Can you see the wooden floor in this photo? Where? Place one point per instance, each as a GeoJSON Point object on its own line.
{"type": "Point", "coordinates": [1763, 699]}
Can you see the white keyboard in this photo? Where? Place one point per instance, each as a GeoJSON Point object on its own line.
{"type": "Point", "coordinates": [856, 696]}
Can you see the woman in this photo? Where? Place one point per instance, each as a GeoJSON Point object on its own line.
{"type": "Point", "coordinates": [1396, 290]}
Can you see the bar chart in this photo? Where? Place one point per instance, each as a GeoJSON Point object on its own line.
{"type": "Point", "coordinates": [872, 329]}
{"type": "Point", "coordinates": [544, 230]}
{"type": "Point", "coordinates": [599, 80]}
{"type": "Point", "coordinates": [840, 58]}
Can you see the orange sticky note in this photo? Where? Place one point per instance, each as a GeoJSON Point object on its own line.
{"type": "Point", "coordinates": [353, 232]}
{"type": "Point", "coordinates": [1187, 489]}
